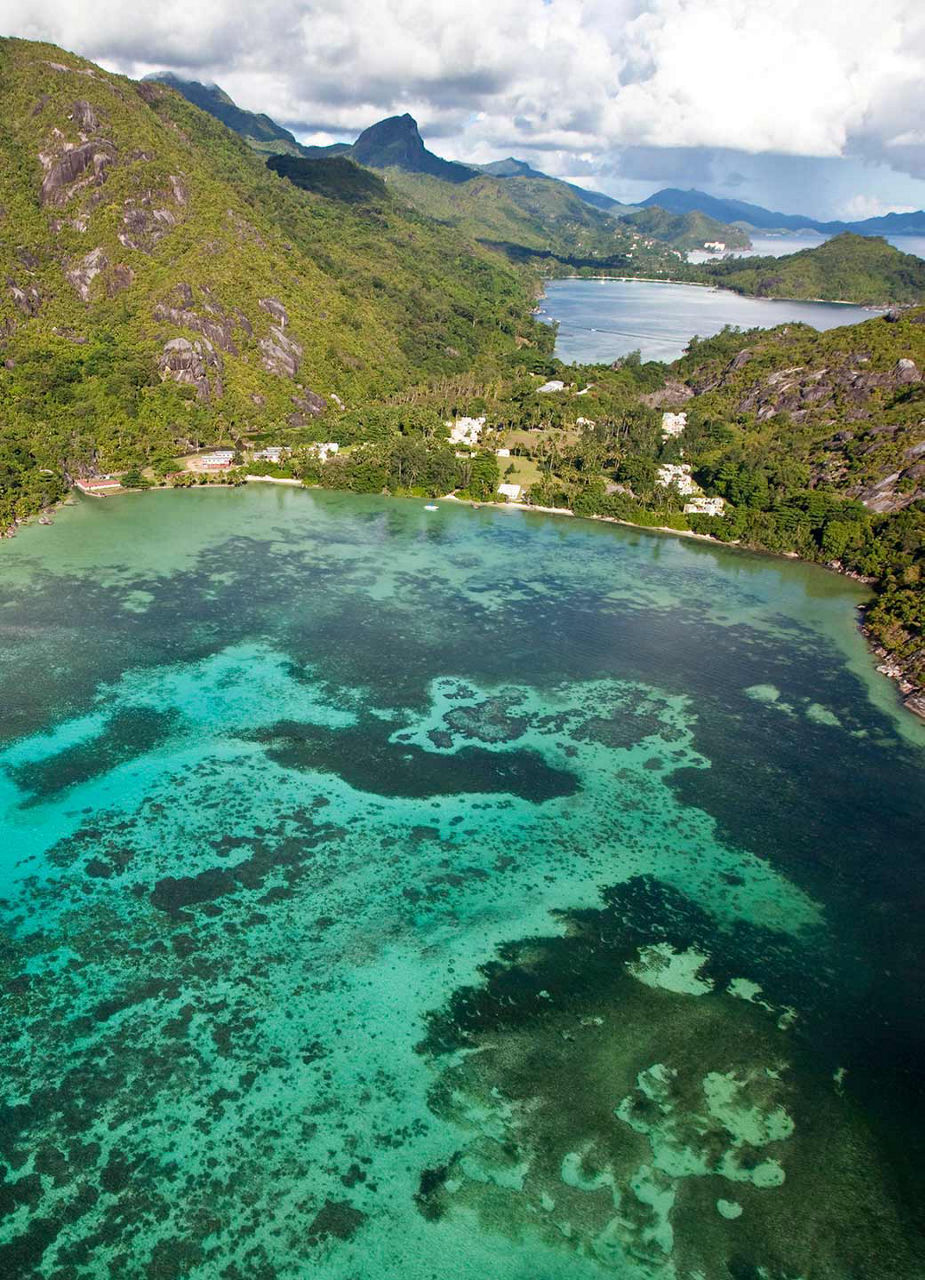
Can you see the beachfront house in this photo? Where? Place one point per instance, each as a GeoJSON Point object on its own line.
{"type": "Point", "coordinates": [272, 453]}
{"type": "Point", "coordinates": [324, 451]}
{"type": "Point", "coordinates": [99, 484]}
{"type": "Point", "coordinates": [510, 492]}
{"type": "Point", "coordinates": [704, 506]}
{"type": "Point", "coordinates": [218, 460]}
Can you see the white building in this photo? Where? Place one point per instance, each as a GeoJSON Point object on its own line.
{"type": "Point", "coordinates": [673, 424]}
{"type": "Point", "coordinates": [272, 453]}
{"type": "Point", "coordinates": [678, 476]}
{"type": "Point", "coordinates": [704, 506]}
{"type": "Point", "coordinates": [511, 492]}
{"type": "Point", "coordinates": [213, 461]}
{"type": "Point", "coordinates": [502, 453]}
{"type": "Point", "coordinates": [553, 384]}
{"type": "Point", "coordinates": [465, 430]}
{"type": "Point", "coordinates": [324, 451]}
{"type": "Point", "coordinates": [718, 246]}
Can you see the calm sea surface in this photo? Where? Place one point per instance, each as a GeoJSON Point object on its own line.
{"type": "Point", "coordinates": [764, 246]}
{"type": "Point", "coordinates": [600, 320]}
{"type": "Point", "coordinates": [452, 896]}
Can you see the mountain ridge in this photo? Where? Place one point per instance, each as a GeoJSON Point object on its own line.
{"type": "Point", "coordinates": [262, 133]}
{"type": "Point", "coordinates": [676, 200]}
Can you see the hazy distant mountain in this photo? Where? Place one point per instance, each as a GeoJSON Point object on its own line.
{"type": "Point", "coordinates": [261, 132]}
{"type": "Point", "coordinates": [677, 201]}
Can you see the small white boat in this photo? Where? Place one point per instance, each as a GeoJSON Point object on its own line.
{"type": "Point", "coordinates": [431, 506]}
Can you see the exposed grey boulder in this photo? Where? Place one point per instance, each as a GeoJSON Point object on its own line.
{"type": "Point", "coordinates": [77, 167]}
{"type": "Point", "coordinates": [144, 223]}
{"type": "Point", "coordinates": [85, 272]}
{"type": "Point", "coordinates": [309, 405]}
{"type": "Point", "coordinates": [280, 354]}
{"type": "Point", "coordinates": [218, 325]}
{"type": "Point", "coordinates": [27, 300]}
{"type": "Point", "coordinates": [121, 277]}
{"type": "Point", "coordinates": [84, 116]}
{"type": "Point", "coordinates": [276, 309]}
{"type": "Point", "coordinates": [193, 364]}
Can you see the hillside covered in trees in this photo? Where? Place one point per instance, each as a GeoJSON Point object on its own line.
{"type": "Point", "coordinates": [848, 268]}
{"type": "Point", "coordinates": [163, 288]}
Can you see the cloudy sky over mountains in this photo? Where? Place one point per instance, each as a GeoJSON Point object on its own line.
{"type": "Point", "coordinates": [817, 107]}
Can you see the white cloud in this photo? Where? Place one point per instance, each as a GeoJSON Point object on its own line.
{"type": "Point", "coordinates": [867, 206]}
{"type": "Point", "coordinates": [564, 78]}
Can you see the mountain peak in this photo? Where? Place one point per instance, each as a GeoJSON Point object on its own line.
{"type": "Point", "coordinates": [396, 142]}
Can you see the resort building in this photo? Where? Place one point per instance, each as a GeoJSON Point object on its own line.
{"type": "Point", "coordinates": [465, 430]}
{"type": "Point", "coordinates": [673, 424]}
{"type": "Point", "coordinates": [99, 484]}
{"type": "Point", "coordinates": [677, 476]}
{"type": "Point", "coordinates": [554, 384]}
{"type": "Point", "coordinates": [704, 506]}
{"type": "Point", "coordinates": [219, 460]}
{"type": "Point", "coordinates": [324, 451]}
{"type": "Point", "coordinates": [272, 453]}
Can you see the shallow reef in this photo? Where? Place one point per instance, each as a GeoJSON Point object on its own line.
{"type": "Point", "coordinates": [475, 898]}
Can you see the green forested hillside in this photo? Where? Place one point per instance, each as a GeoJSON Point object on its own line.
{"type": "Point", "coordinates": [685, 230]}
{"type": "Point", "coordinates": [163, 288]}
{"type": "Point", "coordinates": [261, 133]}
{"type": "Point", "coordinates": [335, 177]}
{"type": "Point", "coordinates": [530, 213]}
{"type": "Point", "coordinates": [848, 268]}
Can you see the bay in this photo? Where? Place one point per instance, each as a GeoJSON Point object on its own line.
{"type": "Point", "coordinates": [448, 894]}
{"type": "Point", "coordinates": [601, 320]}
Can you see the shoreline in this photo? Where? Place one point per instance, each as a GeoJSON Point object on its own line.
{"type": "Point", "coordinates": [911, 695]}
{"type": "Point", "coordinates": [877, 308]}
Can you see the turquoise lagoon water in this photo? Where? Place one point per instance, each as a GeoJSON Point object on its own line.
{"type": "Point", "coordinates": [600, 320]}
{"type": "Point", "coordinates": [466, 894]}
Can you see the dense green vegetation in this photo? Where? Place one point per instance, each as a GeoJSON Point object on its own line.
{"type": "Point", "coordinates": [149, 225]}
{"type": "Point", "coordinates": [534, 216]}
{"type": "Point", "coordinates": [848, 268]}
{"type": "Point", "coordinates": [262, 133]}
{"type": "Point", "coordinates": [685, 230]}
{"type": "Point", "coordinates": [335, 177]}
